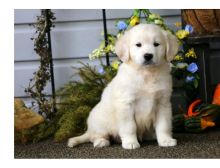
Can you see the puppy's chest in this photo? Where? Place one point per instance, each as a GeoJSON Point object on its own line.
{"type": "Point", "coordinates": [147, 97]}
{"type": "Point", "coordinates": [145, 112]}
{"type": "Point", "coordinates": [150, 89]}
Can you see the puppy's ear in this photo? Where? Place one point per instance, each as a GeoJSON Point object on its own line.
{"type": "Point", "coordinates": [122, 47]}
{"type": "Point", "coordinates": [172, 45]}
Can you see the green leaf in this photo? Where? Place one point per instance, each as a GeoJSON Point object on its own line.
{"type": "Point", "coordinates": [146, 11]}
{"type": "Point", "coordinates": [136, 12]}
{"type": "Point", "coordinates": [102, 45]}
{"type": "Point", "coordinates": [197, 76]}
{"type": "Point", "coordinates": [195, 83]}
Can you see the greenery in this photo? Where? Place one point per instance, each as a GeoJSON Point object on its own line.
{"type": "Point", "coordinates": [77, 98]}
{"type": "Point", "coordinates": [42, 75]}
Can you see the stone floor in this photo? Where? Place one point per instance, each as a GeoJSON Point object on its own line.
{"type": "Point", "coordinates": [205, 145]}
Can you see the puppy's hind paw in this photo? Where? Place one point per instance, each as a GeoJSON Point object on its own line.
{"type": "Point", "coordinates": [71, 142]}
{"type": "Point", "coordinates": [167, 142]}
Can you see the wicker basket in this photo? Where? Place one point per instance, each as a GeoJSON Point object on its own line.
{"type": "Point", "coordinates": [204, 21]}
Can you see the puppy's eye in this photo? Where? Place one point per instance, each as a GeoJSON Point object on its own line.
{"type": "Point", "coordinates": [156, 44]}
{"type": "Point", "coordinates": [138, 45]}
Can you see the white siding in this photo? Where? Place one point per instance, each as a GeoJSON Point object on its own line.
{"type": "Point", "coordinates": [76, 34]}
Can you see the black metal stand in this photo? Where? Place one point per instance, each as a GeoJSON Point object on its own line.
{"type": "Point", "coordinates": [201, 44]}
{"type": "Point", "coordinates": [51, 63]}
{"type": "Point", "coordinates": [105, 35]}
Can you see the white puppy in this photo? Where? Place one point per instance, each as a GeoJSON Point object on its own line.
{"type": "Point", "coordinates": [138, 98]}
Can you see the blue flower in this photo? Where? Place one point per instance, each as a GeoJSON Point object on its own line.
{"type": "Point", "coordinates": [122, 25]}
{"type": "Point", "coordinates": [192, 67]}
{"type": "Point", "coordinates": [189, 28]}
{"type": "Point", "coordinates": [190, 79]}
{"type": "Point", "coordinates": [101, 71]}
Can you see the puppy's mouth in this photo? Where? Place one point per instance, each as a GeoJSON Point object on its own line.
{"type": "Point", "coordinates": [149, 63]}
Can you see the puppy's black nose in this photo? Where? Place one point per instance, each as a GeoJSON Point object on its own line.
{"type": "Point", "coordinates": [148, 56]}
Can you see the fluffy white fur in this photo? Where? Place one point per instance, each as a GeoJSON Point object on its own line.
{"type": "Point", "coordinates": [137, 100]}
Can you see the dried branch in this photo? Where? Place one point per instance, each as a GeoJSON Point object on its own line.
{"type": "Point", "coordinates": [42, 75]}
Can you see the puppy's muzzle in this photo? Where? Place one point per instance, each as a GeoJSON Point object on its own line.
{"type": "Point", "coordinates": [148, 58]}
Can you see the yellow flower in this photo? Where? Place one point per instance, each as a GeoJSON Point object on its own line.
{"type": "Point", "coordinates": [115, 64]}
{"type": "Point", "coordinates": [178, 24]}
{"type": "Point", "coordinates": [134, 20]}
{"type": "Point", "coordinates": [191, 53]}
{"type": "Point", "coordinates": [178, 58]}
{"type": "Point", "coordinates": [181, 34]}
{"type": "Point", "coordinates": [109, 48]}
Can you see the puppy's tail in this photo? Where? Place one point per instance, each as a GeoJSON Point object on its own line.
{"type": "Point", "coordinates": [78, 140]}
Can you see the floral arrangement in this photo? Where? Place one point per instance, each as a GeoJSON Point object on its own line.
{"type": "Point", "coordinates": [122, 26]}
{"type": "Point", "coordinates": [184, 67]}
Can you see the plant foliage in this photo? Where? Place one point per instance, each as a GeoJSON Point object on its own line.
{"type": "Point", "coordinates": [42, 75]}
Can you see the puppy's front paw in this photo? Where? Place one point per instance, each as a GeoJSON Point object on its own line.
{"type": "Point", "coordinates": [167, 142]}
{"type": "Point", "coordinates": [130, 145]}
{"type": "Point", "coordinates": [99, 143]}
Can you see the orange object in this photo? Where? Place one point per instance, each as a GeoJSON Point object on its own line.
{"type": "Point", "coordinates": [205, 124]}
{"type": "Point", "coordinates": [192, 106]}
{"type": "Point", "coordinates": [216, 97]}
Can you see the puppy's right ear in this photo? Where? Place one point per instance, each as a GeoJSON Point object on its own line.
{"type": "Point", "coordinates": [172, 45]}
{"type": "Point", "coordinates": [122, 47]}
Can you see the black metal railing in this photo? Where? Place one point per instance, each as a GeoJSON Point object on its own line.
{"type": "Point", "coordinates": [105, 34]}
{"type": "Point", "coordinates": [51, 64]}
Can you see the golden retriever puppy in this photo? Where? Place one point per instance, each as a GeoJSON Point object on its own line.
{"type": "Point", "coordinates": [137, 100]}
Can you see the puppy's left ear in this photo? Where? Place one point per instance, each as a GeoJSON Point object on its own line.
{"type": "Point", "coordinates": [172, 45]}
{"type": "Point", "coordinates": [122, 47]}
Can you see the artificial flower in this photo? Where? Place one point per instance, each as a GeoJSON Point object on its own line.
{"type": "Point", "coordinates": [122, 25]}
{"type": "Point", "coordinates": [189, 28]}
{"type": "Point", "coordinates": [178, 58]}
{"type": "Point", "coordinates": [101, 71]}
{"type": "Point", "coordinates": [109, 48]}
{"type": "Point", "coordinates": [95, 54]}
{"type": "Point", "coordinates": [154, 16]}
{"type": "Point", "coordinates": [115, 64]}
{"type": "Point", "coordinates": [178, 24]}
{"type": "Point", "coordinates": [191, 53]}
{"type": "Point", "coordinates": [181, 65]}
{"type": "Point", "coordinates": [134, 20]}
{"type": "Point", "coordinates": [190, 79]}
{"type": "Point", "coordinates": [181, 34]}
{"type": "Point", "coordinates": [158, 22]}
{"type": "Point", "coordinates": [119, 35]}
{"type": "Point", "coordinates": [192, 67]}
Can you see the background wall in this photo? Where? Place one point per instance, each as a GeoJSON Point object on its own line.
{"type": "Point", "coordinates": [76, 34]}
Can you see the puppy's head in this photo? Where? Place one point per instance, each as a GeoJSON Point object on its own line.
{"type": "Point", "coordinates": [146, 45]}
